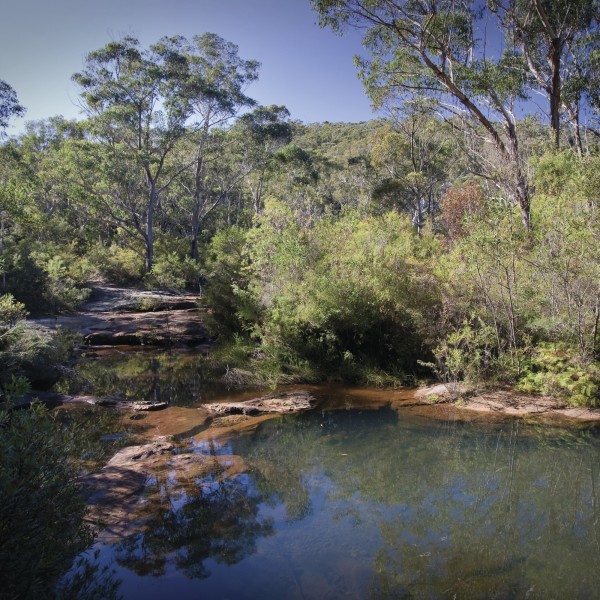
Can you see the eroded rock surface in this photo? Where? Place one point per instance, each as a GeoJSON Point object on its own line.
{"type": "Point", "coordinates": [116, 317]}
{"type": "Point", "coordinates": [288, 402]}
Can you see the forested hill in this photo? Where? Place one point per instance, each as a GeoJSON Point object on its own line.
{"type": "Point", "coordinates": [338, 142]}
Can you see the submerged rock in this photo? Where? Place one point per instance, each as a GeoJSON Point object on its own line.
{"type": "Point", "coordinates": [130, 488]}
{"type": "Point", "coordinates": [288, 402]}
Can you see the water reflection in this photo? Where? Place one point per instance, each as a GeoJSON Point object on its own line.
{"type": "Point", "coordinates": [217, 519]}
{"type": "Point", "coordinates": [379, 504]}
{"type": "Point", "coordinates": [178, 378]}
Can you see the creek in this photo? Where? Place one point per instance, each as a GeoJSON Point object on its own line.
{"type": "Point", "coordinates": [359, 498]}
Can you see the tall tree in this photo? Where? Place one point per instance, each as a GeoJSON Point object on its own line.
{"type": "Point", "coordinates": [265, 130]}
{"type": "Point", "coordinates": [137, 111]}
{"type": "Point", "coordinates": [411, 160]}
{"type": "Point", "coordinates": [9, 105]}
{"type": "Point", "coordinates": [430, 47]}
{"type": "Point", "coordinates": [212, 81]}
{"type": "Point", "coordinates": [546, 33]}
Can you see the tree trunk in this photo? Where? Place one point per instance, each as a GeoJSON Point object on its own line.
{"type": "Point", "coordinates": [523, 200]}
{"type": "Point", "coordinates": [152, 200]}
{"type": "Point", "coordinates": [554, 55]}
{"type": "Point", "coordinates": [194, 250]}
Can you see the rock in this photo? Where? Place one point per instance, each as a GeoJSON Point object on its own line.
{"type": "Point", "coordinates": [288, 402]}
{"type": "Point", "coordinates": [148, 405]}
{"type": "Point", "coordinates": [115, 495]}
{"type": "Point", "coordinates": [160, 319]}
{"type": "Point", "coordinates": [103, 401]}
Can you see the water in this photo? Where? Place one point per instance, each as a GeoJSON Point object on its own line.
{"type": "Point", "coordinates": [178, 377]}
{"type": "Point", "coordinates": [376, 504]}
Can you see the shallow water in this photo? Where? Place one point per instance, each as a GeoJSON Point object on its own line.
{"type": "Point", "coordinates": [179, 377]}
{"type": "Point", "coordinates": [384, 503]}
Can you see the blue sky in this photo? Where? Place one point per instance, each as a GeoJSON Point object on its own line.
{"type": "Point", "coordinates": [309, 70]}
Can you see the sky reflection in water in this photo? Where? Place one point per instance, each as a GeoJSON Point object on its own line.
{"type": "Point", "coordinates": [378, 504]}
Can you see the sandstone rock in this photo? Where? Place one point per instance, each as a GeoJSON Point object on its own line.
{"type": "Point", "coordinates": [288, 402]}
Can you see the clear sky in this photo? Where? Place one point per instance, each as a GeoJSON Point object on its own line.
{"type": "Point", "coordinates": [308, 69]}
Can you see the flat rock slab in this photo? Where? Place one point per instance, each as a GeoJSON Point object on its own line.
{"type": "Point", "coordinates": [119, 316]}
{"type": "Point", "coordinates": [158, 328]}
{"type": "Point", "coordinates": [108, 298]}
{"type": "Point", "coordinates": [118, 495]}
{"type": "Point", "coordinates": [289, 402]}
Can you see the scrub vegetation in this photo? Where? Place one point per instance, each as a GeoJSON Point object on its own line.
{"type": "Point", "coordinates": [450, 238]}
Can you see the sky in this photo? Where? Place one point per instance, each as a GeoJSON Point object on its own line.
{"type": "Point", "coordinates": [307, 69]}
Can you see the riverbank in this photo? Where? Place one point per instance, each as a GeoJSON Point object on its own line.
{"type": "Point", "coordinates": [507, 402]}
{"type": "Point", "coordinates": [116, 316]}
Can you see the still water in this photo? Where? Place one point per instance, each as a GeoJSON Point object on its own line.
{"type": "Point", "coordinates": [377, 504]}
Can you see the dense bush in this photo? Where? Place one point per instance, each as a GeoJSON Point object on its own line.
{"type": "Point", "coordinates": [347, 294]}
{"type": "Point", "coordinates": [172, 271]}
{"type": "Point", "coordinates": [33, 353]}
{"type": "Point", "coordinates": [233, 309]}
{"type": "Point", "coordinates": [558, 370]}
{"type": "Point", "coordinates": [11, 312]}
{"type": "Point", "coordinates": [41, 512]}
{"type": "Point", "coordinates": [122, 266]}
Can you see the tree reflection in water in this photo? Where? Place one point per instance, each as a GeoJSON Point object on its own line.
{"type": "Point", "coordinates": [480, 511]}
{"type": "Point", "coordinates": [218, 518]}
{"type": "Point", "coordinates": [380, 505]}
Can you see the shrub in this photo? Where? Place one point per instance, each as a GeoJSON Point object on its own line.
{"type": "Point", "coordinates": [41, 512]}
{"type": "Point", "coordinates": [233, 308]}
{"type": "Point", "coordinates": [11, 311]}
{"type": "Point", "coordinates": [122, 266]}
{"type": "Point", "coordinates": [171, 271]}
{"type": "Point", "coordinates": [557, 370]}
{"type": "Point", "coordinates": [469, 353]}
{"type": "Point", "coordinates": [33, 353]}
{"type": "Point", "coordinates": [63, 291]}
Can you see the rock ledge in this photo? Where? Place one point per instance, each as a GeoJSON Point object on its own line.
{"type": "Point", "coordinates": [288, 402]}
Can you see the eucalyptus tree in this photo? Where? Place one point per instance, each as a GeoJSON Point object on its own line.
{"type": "Point", "coordinates": [9, 105]}
{"type": "Point", "coordinates": [431, 48]}
{"type": "Point", "coordinates": [138, 113]}
{"type": "Point", "coordinates": [548, 34]}
{"type": "Point", "coordinates": [212, 83]}
{"type": "Point", "coordinates": [264, 131]}
{"type": "Point", "coordinates": [411, 159]}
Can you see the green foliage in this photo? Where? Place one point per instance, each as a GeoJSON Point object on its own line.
{"type": "Point", "coordinates": [33, 353]}
{"type": "Point", "coordinates": [487, 287]}
{"type": "Point", "coordinates": [13, 389]}
{"type": "Point", "coordinates": [232, 307]}
{"type": "Point", "coordinates": [468, 354]}
{"type": "Point", "coordinates": [41, 512]}
{"type": "Point", "coordinates": [9, 104]}
{"type": "Point", "coordinates": [172, 271]}
{"type": "Point", "coordinates": [556, 369]}
{"type": "Point", "coordinates": [11, 312]}
{"type": "Point", "coordinates": [347, 293]}
{"type": "Point", "coordinates": [118, 265]}
{"type": "Point", "coordinates": [64, 277]}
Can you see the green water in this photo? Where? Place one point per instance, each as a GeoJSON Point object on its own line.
{"type": "Point", "coordinates": [377, 504]}
{"type": "Point", "coordinates": [178, 377]}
